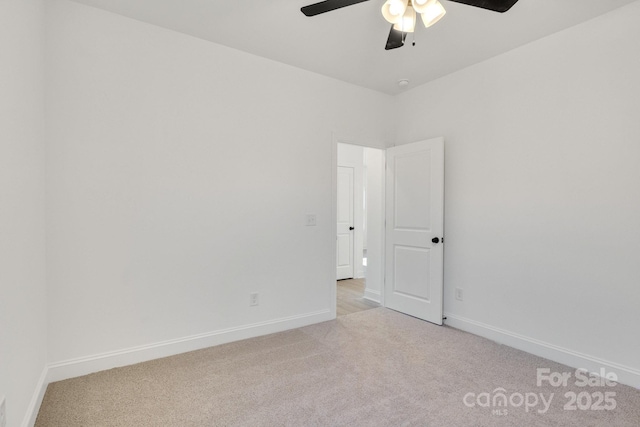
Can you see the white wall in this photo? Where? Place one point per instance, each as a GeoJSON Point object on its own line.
{"type": "Point", "coordinates": [22, 236]}
{"type": "Point", "coordinates": [374, 161]}
{"type": "Point", "coordinates": [542, 192]}
{"type": "Point", "coordinates": [179, 176]}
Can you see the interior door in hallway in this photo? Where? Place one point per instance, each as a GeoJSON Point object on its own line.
{"type": "Point", "coordinates": [414, 229]}
{"type": "Point", "coordinates": [345, 226]}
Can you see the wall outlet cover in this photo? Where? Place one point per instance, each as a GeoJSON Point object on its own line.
{"type": "Point", "coordinates": [253, 299]}
{"type": "Point", "coordinates": [311, 220]}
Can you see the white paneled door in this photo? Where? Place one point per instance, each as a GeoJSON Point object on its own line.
{"type": "Point", "coordinates": [345, 239]}
{"type": "Point", "coordinates": [414, 229]}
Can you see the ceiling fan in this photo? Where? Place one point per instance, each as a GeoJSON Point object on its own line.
{"type": "Point", "coordinates": [402, 13]}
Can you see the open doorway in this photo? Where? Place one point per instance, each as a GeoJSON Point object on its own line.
{"type": "Point", "coordinates": [359, 228]}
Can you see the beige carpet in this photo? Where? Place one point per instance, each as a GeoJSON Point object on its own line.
{"type": "Point", "coordinates": [372, 368]}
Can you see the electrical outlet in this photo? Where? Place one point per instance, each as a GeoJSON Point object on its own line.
{"type": "Point", "coordinates": [3, 413]}
{"type": "Point", "coordinates": [253, 299]}
{"type": "Point", "coordinates": [311, 220]}
{"type": "Point", "coordinates": [459, 294]}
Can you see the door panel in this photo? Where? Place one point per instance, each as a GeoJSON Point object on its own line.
{"type": "Point", "coordinates": [412, 202]}
{"type": "Point", "coordinates": [415, 215]}
{"type": "Point", "coordinates": [412, 272]}
{"type": "Point", "coordinates": [344, 241]}
{"type": "Point", "coordinates": [344, 251]}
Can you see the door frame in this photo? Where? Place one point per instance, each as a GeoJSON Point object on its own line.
{"type": "Point", "coordinates": [336, 139]}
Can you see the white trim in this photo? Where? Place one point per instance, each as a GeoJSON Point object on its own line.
{"type": "Point", "coordinates": [86, 365]}
{"type": "Point", "coordinates": [333, 291]}
{"type": "Point", "coordinates": [36, 400]}
{"type": "Point", "coordinates": [626, 375]}
{"type": "Point", "coordinates": [373, 295]}
{"type": "Point", "coordinates": [383, 225]}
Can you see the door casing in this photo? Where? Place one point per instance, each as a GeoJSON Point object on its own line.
{"type": "Point", "coordinates": [332, 285]}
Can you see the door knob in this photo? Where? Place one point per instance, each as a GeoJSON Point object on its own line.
{"type": "Point", "coordinates": [350, 228]}
{"type": "Point", "coordinates": [435, 240]}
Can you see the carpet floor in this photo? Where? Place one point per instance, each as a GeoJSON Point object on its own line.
{"type": "Point", "coordinates": [371, 368]}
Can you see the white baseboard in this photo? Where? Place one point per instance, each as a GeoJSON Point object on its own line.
{"type": "Point", "coordinates": [86, 365]}
{"type": "Point", "coordinates": [626, 375]}
{"type": "Point", "coordinates": [372, 295]}
{"type": "Point", "coordinates": [36, 400]}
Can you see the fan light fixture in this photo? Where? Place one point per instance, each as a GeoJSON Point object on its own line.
{"type": "Point", "coordinates": [393, 10]}
{"type": "Point", "coordinates": [402, 13]}
{"type": "Point", "coordinates": [407, 23]}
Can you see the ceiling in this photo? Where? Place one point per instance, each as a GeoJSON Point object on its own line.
{"type": "Point", "coordinates": [348, 44]}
